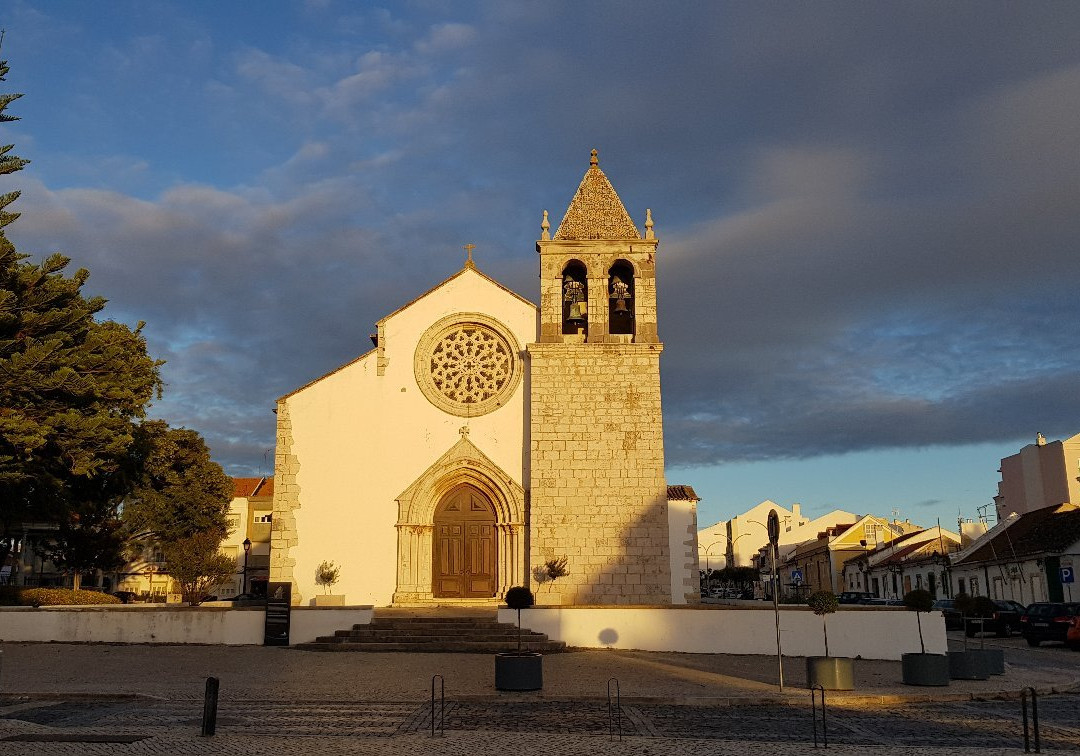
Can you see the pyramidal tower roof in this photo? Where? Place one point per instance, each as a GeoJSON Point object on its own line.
{"type": "Point", "coordinates": [596, 212]}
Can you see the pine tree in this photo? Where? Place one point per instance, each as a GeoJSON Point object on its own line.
{"type": "Point", "coordinates": [72, 389]}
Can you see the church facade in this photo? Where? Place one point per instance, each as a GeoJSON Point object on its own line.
{"type": "Point", "coordinates": [485, 442]}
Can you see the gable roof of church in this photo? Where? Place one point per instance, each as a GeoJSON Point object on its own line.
{"type": "Point", "coordinates": [468, 267]}
{"type": "Point", "coordinates": [596, 212]}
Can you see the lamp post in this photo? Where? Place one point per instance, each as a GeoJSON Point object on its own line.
{"type": "Point", "coordinates": [247, 553]}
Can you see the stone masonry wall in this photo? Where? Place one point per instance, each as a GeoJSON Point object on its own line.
{"type": "Point", "coordinates": [283, 534]}
{"type": "Point", "coordinates": [598, 492]}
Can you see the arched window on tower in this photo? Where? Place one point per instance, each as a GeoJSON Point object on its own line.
{"type": "Point", "coordinates": [621, 298]}
{"type": "Point", "coordinates": [575, 299]}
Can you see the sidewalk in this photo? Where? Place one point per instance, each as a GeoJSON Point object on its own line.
{"type": "Point", "coordinates": [261, 673]}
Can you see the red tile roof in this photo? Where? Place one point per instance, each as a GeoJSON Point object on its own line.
{"type": "Point", "coordinates": [252, 487]}
{"type": "Point", "coordinates": [682, 493]}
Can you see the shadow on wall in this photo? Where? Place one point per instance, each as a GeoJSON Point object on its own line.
{"type": "Point", "coordinates": [608, 636]}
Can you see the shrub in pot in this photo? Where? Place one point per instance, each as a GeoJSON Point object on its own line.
{"type": "Point", "coordinates": [519, 670]}
{"type": "Point", "coordinates": [977, 663]}
{"type": "Point", "coordinates": [830, 672]}
{"type": "Point", "coordinates": [923, 668]}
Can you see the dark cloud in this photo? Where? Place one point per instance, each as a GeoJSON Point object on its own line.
{"type": "Point", "coordinates": [867, 214]}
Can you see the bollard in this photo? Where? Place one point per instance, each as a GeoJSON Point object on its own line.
{"type": "Point", "coordinates": [614, 713]}
{"type": "Point", "coordinates": [442, 705]}
{"type": "Point", "coordinates": [209, 712]}
{"type": "Point", "coordinates": [1034, 718]}
{"type": "Point", "coordinates": [813, 710]}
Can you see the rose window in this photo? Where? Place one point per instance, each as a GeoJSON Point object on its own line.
{"type": "Point", "coordinates": [470, 364]}
{"type": "Point", "coordinates": [466, 367]}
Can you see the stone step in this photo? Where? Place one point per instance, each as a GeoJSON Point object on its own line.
{"type": "Point", "coordinates": [460, 647]}
{"type": "Point", "coordinates": [434, 634]}
{"type": "Point", "coordinates": [376, 636]}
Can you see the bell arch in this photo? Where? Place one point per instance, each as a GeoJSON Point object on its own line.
{"type": "Point", "coordinates": [621, 298]}
{"type": "Point", "coordinates": [463, 466]}
{"type": "Point", "coordinates": [575, 298]}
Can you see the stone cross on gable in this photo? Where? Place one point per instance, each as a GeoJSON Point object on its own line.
{"type": "Point", "coordinates": [468, 251]}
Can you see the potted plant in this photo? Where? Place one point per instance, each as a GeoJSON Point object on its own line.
{"type": "Point", "coordinates": [830, 672]}
{"type": "Point", "coordinates": [988, 661]}
{"type": "Point", "coordinates": [519, 670]}
{"type": "Point", "coordinates": [326, 574]}
{"type": "Point", "coordinates": [923, 668]}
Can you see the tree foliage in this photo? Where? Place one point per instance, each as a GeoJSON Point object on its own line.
{"type": "Point", "coordinates": [196, 565]}
{"type": "Point", "coordinates": [72, 388]}
{"type": "Point", "coordinates": [326, 574]}
{"type": "Point", "coordinates": [91, 539]}
{"type": "Point", "coordinates": [180, 491]}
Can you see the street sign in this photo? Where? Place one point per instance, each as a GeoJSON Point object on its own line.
{"type": "Point", "coordinates": [796, 577]}
{"type": "Point", "coordinates": [774, 527]}
{"type": "Point", "coordinates": [1066, 574]}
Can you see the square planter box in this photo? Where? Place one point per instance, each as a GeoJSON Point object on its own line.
{"type": "Point", "coordinates": [519, 671]}
{"type": "Point", "coordinates": [968, 665]}
{"type": "Point", "coordinates": [993, 658]}
{"type": "Point", "coordinates": [830, 672]}
{"type": "Point", "coordinates": [330, 600]}
{"type": "Point", "coordinates": [925, 669]}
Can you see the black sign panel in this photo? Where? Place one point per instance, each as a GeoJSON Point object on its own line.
{"type": "Point", "coordinates": [278, 606]}
{"type": "Point", "coordinates": [774, 527]}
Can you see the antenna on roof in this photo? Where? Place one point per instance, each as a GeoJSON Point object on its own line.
{"type": "Point", "coordinates": [2, 33]}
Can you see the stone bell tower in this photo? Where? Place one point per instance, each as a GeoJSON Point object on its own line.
{"type": "Point", "coordinates": [598, 494]}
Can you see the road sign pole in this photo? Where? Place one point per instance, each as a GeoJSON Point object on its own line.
{"type": "Point", "coordinates": [774, 539]}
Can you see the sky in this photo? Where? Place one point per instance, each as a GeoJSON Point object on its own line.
{"type": "Point", "coordinates": [868, 213]}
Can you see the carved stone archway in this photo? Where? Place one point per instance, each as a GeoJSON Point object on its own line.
{"type": "Point", "coordinates": [462, 464]}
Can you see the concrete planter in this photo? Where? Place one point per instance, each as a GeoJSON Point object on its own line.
{"type": "Point", "coordinates": [967, 665]}
{"type": "Point", "coordinates": [925, 669]}
{"type": "Point", "coordinates": [830, 672]}
{"type": "Point", "coordinates": [516, 670]}
{"type": "Point", "coordinates": [994, 658]}
{"type": "Point", "coordinates": [329, 600]}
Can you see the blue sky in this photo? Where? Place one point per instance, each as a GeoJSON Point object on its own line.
{"type": "Point", "coordinates": [867, 212]}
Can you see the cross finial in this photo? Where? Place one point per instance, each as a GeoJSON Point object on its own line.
{"type": "Point", "coordinates": [468, 260]}
{"type": "Point", "coordinates": [464, 431]}
{"type": "Point", "coordinates": [594, 160]}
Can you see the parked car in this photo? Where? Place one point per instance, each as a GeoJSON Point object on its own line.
{"type": "Point", "coordinates": [1004, 621]}
{"type": "Point", "coordinates": [954, 619]}
{"type": "Point", "coordinates": [1072, 635]}
{"type": "Point", "coordinates": [1048, 622]}
{"type": "Point", "coordinates": [855, 597]}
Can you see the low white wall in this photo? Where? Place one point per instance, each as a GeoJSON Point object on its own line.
{"type": "Point", "coordinates": [173, 624]}
{"type": "Point", "coordinates": [872, 633]}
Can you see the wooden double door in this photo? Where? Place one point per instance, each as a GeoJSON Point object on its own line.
{"type": "Point", "coordinates": [464, 553]}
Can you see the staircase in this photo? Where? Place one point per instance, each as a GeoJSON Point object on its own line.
{"type": "Point", "coordinates": [412, 631]}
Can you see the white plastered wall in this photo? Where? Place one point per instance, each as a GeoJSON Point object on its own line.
{"type": "Point", "coordinates": [361, 439]}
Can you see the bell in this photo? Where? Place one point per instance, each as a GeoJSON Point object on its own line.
{"type": "Point", "coordinates": [621, 308]}
{"type": "Point", "coordinates": [577, 314]}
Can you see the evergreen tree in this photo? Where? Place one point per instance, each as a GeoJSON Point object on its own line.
{"type": "Point", "coordinates": [180, 491]}
{"type": "Point", "coordinates": [72, 389]}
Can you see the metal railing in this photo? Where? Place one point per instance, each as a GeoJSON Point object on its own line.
{"type": "Point", "coordinates": [442, 705]}
{"type": "Point", "coordinates": [813, 710]}
{"type": "Point", "coordinates": [614, 710]}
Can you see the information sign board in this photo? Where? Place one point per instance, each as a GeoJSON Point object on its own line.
{"type": "Point", "coordinates": [278, 614]}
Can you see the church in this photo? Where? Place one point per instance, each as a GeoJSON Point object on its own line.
{"type": "Point", "coordinates": [485, 442]}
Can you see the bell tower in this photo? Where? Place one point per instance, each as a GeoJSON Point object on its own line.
{"type": "Point", "coordinates": [598, 493]}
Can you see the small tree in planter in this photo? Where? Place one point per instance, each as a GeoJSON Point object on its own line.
{"type": "Point", "coordinates": [519, 597]}
{"type": "Point", "coordinates": [832, 673]}
{"type": "Point", "coordinates": [326, 575]}
{"type": "Point", "coordinates": [519, 670]}
{"type": "Point", "coordinates": [923, 668]}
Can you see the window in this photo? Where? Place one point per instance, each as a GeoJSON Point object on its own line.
{"type": "Point", "coordinates": [575, 299]}
{"type": "Point", "coordinates": [264, 519]}
{"type": "Point", "coordinates": [621, 298]}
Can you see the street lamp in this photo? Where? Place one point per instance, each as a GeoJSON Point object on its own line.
{"type": "Point", "coordinates": [247, 553]}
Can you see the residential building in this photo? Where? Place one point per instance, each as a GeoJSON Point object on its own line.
{"type": "Point", "coordinates": [1024, 557]}
{"type": "Point", "coordinates": [1043, 474]}
{"type": "Point", "coordinates": [916, 559]}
